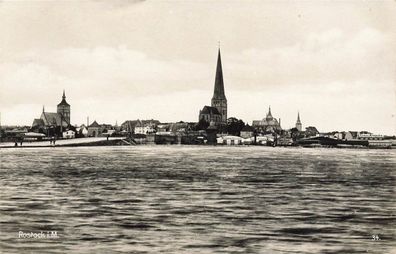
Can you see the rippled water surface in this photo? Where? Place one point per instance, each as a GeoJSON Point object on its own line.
{"type": "Point", "coordinates": [181, 199]}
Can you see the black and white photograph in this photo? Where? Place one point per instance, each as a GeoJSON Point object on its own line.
{"type": "Point", "coordinates": [209, 126]}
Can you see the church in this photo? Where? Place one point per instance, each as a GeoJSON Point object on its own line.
{"type": "Point", "coordinates": [298, 123]}
{"type": "Point", "coordinates": [269, 124]}
{"type": "Point", "coordinates": [52, 123]}
{"type": "Point", "coordinates": [216, 114]}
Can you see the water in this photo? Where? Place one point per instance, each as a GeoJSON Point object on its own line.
{"type": "Point", "coordinates": [194, 199]}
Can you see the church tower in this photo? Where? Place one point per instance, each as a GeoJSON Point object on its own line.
{"type": "Point", "coordinates": [219, 99]}
{"type": "Point", "coordinates": [298, 123]}
{"type": "Point", "coordinates": [63, 108]}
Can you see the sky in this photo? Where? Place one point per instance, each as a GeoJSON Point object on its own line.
{"type": "Point", "coordinates": [333, 61]}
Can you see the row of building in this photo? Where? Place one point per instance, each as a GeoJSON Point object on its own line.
{"type": "Point", "coordinates": [212, 119]}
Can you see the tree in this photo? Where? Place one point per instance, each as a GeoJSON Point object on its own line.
{"type": "Point", "coordinates": [234, 126]}
{"type": "Point", "coordinates": [294, 133]}
{"type": "Point", "coordinates": [311, 131]}
{"type": "Point", "coordinates": [201, 125]}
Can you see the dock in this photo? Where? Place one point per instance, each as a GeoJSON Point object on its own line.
{"type": "Point", "coordinates": [92, 141]}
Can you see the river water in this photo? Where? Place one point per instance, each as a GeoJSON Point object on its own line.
{"type": "Point", "coordinates": [197, 199]}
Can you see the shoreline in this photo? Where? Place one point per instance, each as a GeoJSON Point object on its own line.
{"type": "Point", "coordinates": [98, 141]}
{"type": "Point", "coordinates": [123, 142]}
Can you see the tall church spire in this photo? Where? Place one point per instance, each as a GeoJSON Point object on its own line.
{"type": "Point", "coordinates": [298, 123]}
{"type": "Point", "coordinates": [219, 100]}
{"type": "Point", "coordinates": [269, 114]}
{"type": "Point", "coordinates": [64, 96]}
{"type": "Point", "coordinates": [219, 83]}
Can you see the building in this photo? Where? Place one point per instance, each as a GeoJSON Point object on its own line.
{"type": "Point", "coordinates": [52, 123]}
{"type": "Point", "coordinates": [63, 108]}
{"type": "Point", "coordinates": [146, 126]}
{"type": "Point", "coordinates": [69, 134]}
{"type": "Point", "coordinates": [269, 124]}
{"type": "Point", "coordinates": [230, 140]}
{"type": "Point", "coordinates": [82, 131]}
{"type": "Point", "coordinates": [94, 129]}
{"type": "Point", "coordinates": [210, 114]}
{"type": "Point", "coordinates": [140, 126]}
{"type": "Point", "coordinates": [217, 112]}
{"type": "Point", "coordinates": [335, 134]}
{"type": "Point", "coordinates": [129, 126]}
{"type": "Point", "coordinates": [364, 135]}
{"type": "Point", "coordinates": [351, 135]}
{"type": "Point", "coordinates": [247, 131]}
{"type": "Point", "coordinates": [298, 123]}
{"type": "Point", "coordinates": [375, 143]}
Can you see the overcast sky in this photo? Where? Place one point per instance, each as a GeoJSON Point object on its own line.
{"type": "Point", "coordinates": [333, 61]}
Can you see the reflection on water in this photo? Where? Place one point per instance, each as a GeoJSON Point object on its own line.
{"type": "Point", "coordinates": [182, 199]}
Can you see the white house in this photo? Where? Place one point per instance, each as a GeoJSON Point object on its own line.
{"type": "Point", "coordinates": [144, 127]}
{"type": "Point", "coordinates": [69, 134]}
{"type": "Point", "coordinates": [230, 140]}
{"type": "Point", "coordinates": [82, 130]}
{"type": "Point", "coordinates": [369, 136]}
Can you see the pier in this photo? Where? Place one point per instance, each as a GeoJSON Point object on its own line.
{"type": "Point", "coordinates": [92, 141]}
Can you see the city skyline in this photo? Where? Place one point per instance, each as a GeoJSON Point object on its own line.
{"type": "Point", "coordinates": [122, 61]}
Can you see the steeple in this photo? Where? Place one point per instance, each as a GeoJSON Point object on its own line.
{"type": "Point", "coordinates": [43, 109]}
{"type": "Point", "coordinates": [63, 102]}
{"type": "Point", "coordinates": [298, 117]}
{"type": "Point", "coordinates": [298, 123]}
{"type": "Point", "coordinates": [269, 115]}
{"type": "Point", "coordinates": [219, 101]}
{"type": "Point", "coordinates": [219, 83]}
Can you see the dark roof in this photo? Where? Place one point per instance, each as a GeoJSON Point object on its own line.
{"type": "Point", "coordinates": [128, 122]}
{"type": "Point", "coordinates": [152, 121]}
{"type": "Point", "coordinates": [147, 122]}
{"type": "Point", "coordinates": [210, 110]}
{"type": "Point", "coordinates": [50, 118]}
{"type": "Point", "coordinates": [63, 102]}
{"type": "Point", "coordinates": [38, 122]}
{"type": "Point", "coordinates": [219, 83]}
{"type": "Point", "coordinates": [94, 124]}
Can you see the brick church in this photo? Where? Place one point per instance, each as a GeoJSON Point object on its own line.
{"type": "Point", "coordinates": [52, 123]}
{"type": "Point", "coordinates": [216, 114]}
